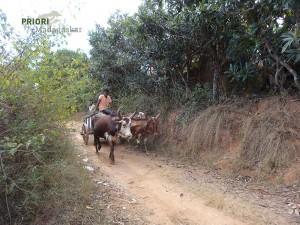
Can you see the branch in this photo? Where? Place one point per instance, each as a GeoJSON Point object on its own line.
{"type": "Point", "coordinates": [284, 64]}
{"type": "Point", "coordinates": [278, 70]}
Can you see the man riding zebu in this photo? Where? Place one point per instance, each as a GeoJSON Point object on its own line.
{"type": "Point", "coordinates": [104, 103]}
{"type": "Point", "coordinates": [106, 124]}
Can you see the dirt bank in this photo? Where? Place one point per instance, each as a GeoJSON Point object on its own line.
{"type": "Point", "coordinates": [259, 138]}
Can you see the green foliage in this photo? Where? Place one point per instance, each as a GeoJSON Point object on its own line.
{"type": "Point", "coordinates": [241, 73]}
{"type": "Point", "coordinates": [291, 47]}
{"type": "Point", "coordinates": [39, 89]}
{"type": "Point", "coordinates": [139, 102]}
{"type": "Point", "coordinates": [168, 45]}
{"type": "Point", "coordinates": [199, 100]}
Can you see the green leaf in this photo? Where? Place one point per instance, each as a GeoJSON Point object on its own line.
{"type": "Point", "coordinates": [286, 45]}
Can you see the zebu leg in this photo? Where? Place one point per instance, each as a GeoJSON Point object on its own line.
{"type": "Point", "coordinates": [145, 146]}
{"type": "Point", "coordinates": [97, 143]}
{"type": "Point", "coordinates": [111, 142]}
{"type": "Point", "coordinates": [138, 140]}
{"type": "Point", "coordinates": [111, 154]}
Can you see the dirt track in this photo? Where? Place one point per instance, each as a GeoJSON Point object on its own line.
{"type": "Point", "coordinates": [171, 193]}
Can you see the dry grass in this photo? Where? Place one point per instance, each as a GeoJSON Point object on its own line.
{"type": "Point", "coordinates": [269, 139]}
{"type": "Point", "coordinates": [213, 130]}
{"type": "Point", "coordinates": [265, 135]}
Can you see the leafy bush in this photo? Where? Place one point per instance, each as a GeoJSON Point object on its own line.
{"type": "Point", "coordinates": [39, 90]}
{"type": "Point", "coordinates": [199, 99]}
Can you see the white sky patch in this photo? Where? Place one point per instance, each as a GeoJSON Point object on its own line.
{"type": "Point", "coordinates": [280, 21]}
{"type": "Point", "coordinates": [77, 13]}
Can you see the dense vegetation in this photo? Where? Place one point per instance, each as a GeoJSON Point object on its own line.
{"type": "Point", "coordinates": [39, 89]}
{"type": "Point", "coordinates": [184, 52]}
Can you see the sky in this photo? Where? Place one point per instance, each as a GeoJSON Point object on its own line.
{"type": "Point", "coordinates": [77, 13]}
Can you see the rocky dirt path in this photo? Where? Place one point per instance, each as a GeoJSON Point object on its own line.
{"type": "Point", "coordinates": [159, 191]}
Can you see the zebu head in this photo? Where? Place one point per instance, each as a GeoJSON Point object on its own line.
{"type": "Point", "coordinates": [124, 126]}
{"type": "Point", "coordinates": [153, 125]}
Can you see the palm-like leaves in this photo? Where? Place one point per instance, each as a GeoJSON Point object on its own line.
{"type": "Point", "coordinates": [291, 46]}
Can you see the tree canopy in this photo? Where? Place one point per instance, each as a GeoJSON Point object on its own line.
{"type": "Point", "coordinates": [236, 46]}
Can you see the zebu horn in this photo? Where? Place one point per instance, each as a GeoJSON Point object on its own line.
{"type": "Point", "coordinates": [132, 115]}
{"type": "Point", "coordinates": [119, 113]}
{"type": "Point", "coordinates": [119, 110]}
{"type": "Point", "coordinates": [157, 116]}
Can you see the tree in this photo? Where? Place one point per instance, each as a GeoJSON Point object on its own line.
{"type": "Point", "coordinates": [238, 43]}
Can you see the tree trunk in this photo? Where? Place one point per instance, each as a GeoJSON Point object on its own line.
{"type": "Point", "coordinates": [187, 90]}
{"type": "Point", "coordinates": [216, 82]}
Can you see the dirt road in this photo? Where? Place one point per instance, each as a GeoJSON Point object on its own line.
{"type": "Point", "coordinates": [172, 193]}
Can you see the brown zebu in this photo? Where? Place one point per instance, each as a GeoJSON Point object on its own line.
{"type": "Point", "coordinates": [110, 128]}
{"type": "Point", "coordinates": [87, 128]}
{"type": "Point", "coordinates": [142, 128]}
